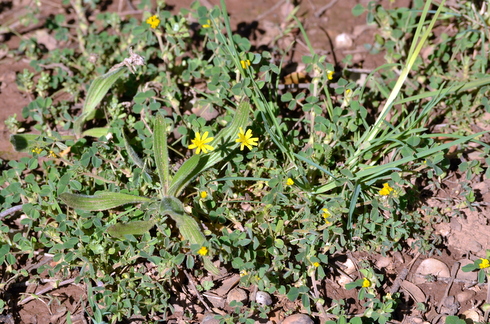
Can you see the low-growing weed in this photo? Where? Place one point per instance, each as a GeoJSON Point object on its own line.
{"type": "Point", "coordinates": [183, 156]}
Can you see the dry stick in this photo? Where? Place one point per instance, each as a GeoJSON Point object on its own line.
{"type": "Point", "coordinates": [319, 306]}
{"type": "Point", "coordinates": [454, 271]}
{"type": "Point", "coordinates": [268, 11]}
{"type": "Point", "coordinates": [193, 285]}
{"type": "Point", "coordinates": [402, 276]}
{"type": "Point", "coordinates": [324, 8]}
{"type": "Point", "coordinates": [487, 311]}
{"type": "Point", "coordinates": [45, 290]}
{"type": "Point", "coordinates": [11, 210]}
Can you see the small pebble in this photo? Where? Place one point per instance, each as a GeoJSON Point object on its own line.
{"type": "Point", "coordinates": [343, 41]}
{"type": "Point", "coordinates": [298, 319]}
{"type": "Point", "coordinates": [238, 295]}
{"type": "Point", "coordinates": [263, 298]}
{"type": "Point", "coordinates": [209, 319]}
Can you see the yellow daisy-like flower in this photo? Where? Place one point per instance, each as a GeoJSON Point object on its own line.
{"type": "Point", "coordinates": [208, 25]}
{"type": "Point", "coordinates": [326, 214]}
{"type": "Point", "coordinates": [153, 21]}
{"type": "Point", "coordinates": [485, 263]}
{"type": "Point", "coordinates": [203, 251]}
{"type": "Point", "coordinates": [316, 264]}
{"type": "Point", "coordinates": [386, 190]}
{"type": "Point", "coordinates": [289, 182]}
{"type": "Point", "coordinates": [245, 63]}
{"type": "Point", "coordinates": [330, 74]}
{"type": "Point", "coordinates": [37, 150]}
{"type": "Point", "coordinates": [366, 283]}
{"type": "Point", "coordinates": [201, 143]}
{"type": "Point", "coordinates": [246, 139]}
{"type": "Point", "coordinates": [203, 194]}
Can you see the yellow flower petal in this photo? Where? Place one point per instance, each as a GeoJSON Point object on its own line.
{"type": "Point", "coordinates": [366, 283]}
{"type": "Point", "coordinates": [246, 139]}
{"type": "Point", "coordinates": [153, 21]}
{"type": "Point", "coordinates": [485, 263]}
{"type": "Point", "coordinates": [200, 143]}
{"type": "Point", "coordinates": [203, 251]}
{"type": "Point", "coordinates": [289, 182]}
{"type": "Point", "coordinates": [386, 190]}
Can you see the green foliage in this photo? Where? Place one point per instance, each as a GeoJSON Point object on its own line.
{"type": "Point", "coordinates": [337, 178]}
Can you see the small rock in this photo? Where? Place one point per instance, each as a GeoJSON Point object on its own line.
{"type": "Point", "coordinates": [432, 267]}
{"type": "Point", "coordinates": [238, 295]}
{"type": "Point", "coordinates": [383, 262]}
{"type": "Point", "coordinates": [464, 296]}
{"type": "Point", "coordinates": [343, 41]}
{"type": "Point", "coordinates": [263, 298]}
{"type": "Point", "coordinates": [298, 319]}
{"type": "Point", "coordinates": [209, 319]}
{"type": "Point", "coordinates": [470, 276]}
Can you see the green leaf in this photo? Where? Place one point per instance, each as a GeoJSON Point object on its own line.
{"type": "Point", "coordinates": [161, 152]}
{"type": "Point", "coordinates": [4, 249]}
{"type": "Point", "coordinates": [96, 132]}
{"type": "Point", "coordinates": [188, 227]}
{"type": "Point", "coordinates": [95, 94]}
{"type": "Point", "coordinates": [293, 294]}
{"type": "Point", "coordinates": [132, 228]}
{"type": "Point", "coordinates": [100, 200]}
{"type": "Point", "coordinates": [469, 267]}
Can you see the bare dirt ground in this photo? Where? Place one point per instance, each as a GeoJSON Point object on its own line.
{"type": "Point", "coordinates": [467, 235]}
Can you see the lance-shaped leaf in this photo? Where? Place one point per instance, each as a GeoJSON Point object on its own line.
{"type": "Point", "coordinates": [101, 200]}
{"type": "Point", "coordinates": [188, 227]}
{"type": "Point", "coordinates": [161, 151]}
{"type": "Point", "coordinates": [132, 228]}
{"type": "Point", "coordinates": [96, 132]}
{"type": "Point", "coordinates": [224, 143]}
{"type": "Point", "coordinates": [95, 94]}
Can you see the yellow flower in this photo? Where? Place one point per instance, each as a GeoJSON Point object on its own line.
{"type": "Point", "coordinates": [326, 214]}
{"type": "Point", "coordinates": [37, 150]}
{"type": "Point", "coordinates": [203, 251]}
{"type": "Point", "coordinates": [366, 283]}
{"type": "Point", "coordinates": [386, 190]}
{"type": "Point", "coordinates": [200, 143]}
{"type": "Point", "coordinates": [485, 263]}
{"type": "Point", "coordinates": [243, 273]}
{"type": "Point", "coordinates": [52, 154]}
{"type": "Point", "coordinates": [153, 21]}
{"type": "Point", "coordinates": [203, 194]}
{"type": "Point", "coordinates": [347, 96]}
{"type": "Point", "coordinates": [289, 182]}
{"type": "Point", "coordinates": [245, 63]}
{"type": "Point", "coordinates": [208, 25]}
{"type": "Point", "coordinates": [330, 74]}
{"type": "Point", "coordinates": [316, 264]}
{"type": "Point", "coordinates": [246, 139]}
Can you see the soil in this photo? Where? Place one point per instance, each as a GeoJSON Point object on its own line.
{"type": "Point", "coordinates": [463, 236]}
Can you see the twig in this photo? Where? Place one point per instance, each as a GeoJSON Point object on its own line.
{"type": "Point", "coordinates": [193, 285]}
{"type": "Point", "coordinates": [454, 271]}
{"type": "Point", "coordinates": [325, 7]}
{"type": "Point", "coordinates": [11, 210]}
{"type": "Point", "coordinates": [316, 294]}
{"type": "Point", "coordinates": [268, 11]}
{"type": "Point", "coordinates": [45, 290]}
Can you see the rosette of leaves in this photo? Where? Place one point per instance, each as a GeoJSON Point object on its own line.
{"type": "Point", "coordinates": [172, 186]}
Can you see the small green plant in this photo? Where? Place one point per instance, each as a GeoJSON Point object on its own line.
{"type": "Point", "coordinates": [279, 180]}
